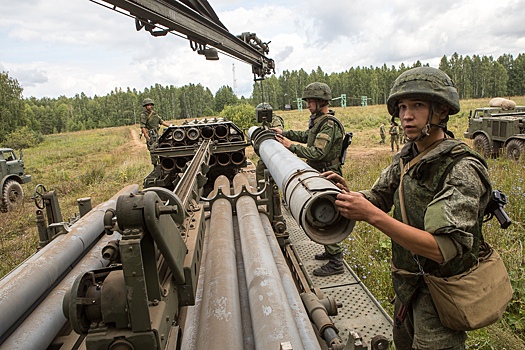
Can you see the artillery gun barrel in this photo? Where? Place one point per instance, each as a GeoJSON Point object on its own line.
{"type": "Point", "coordinates": [271, 313]}
{"type": "Point", "coordinates": [311, 198]}
{"type": "Point", "coordinates": [21, 291]}
{"type": "Point", "coordinates": [40, 328]}
{"type": "Point", "coordinates": [221, 311]}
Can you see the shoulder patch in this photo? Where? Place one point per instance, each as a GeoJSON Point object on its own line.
{"type": "Point", "coordinates": [330, 123]}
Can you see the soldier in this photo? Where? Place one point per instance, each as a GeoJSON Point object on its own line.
{"type": "Point", "coordinates": [394, 135]}
{"type": "Point", "coordinates": [277, 122]}
{"type": "Point", "coordinates": [439, 188]}
{"type": "Point", "coordinates": [382, 134]}
{"type": "Point", "coordinates": [324, 140]}
{"type": "Point", "coordinates": [149, 125]}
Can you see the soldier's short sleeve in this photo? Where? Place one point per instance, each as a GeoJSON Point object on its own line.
{"type": "Point", "coordinates": [382, 192]}
{"type": "Point", "coordinates": [455, 209]}
{"type": "Point", "coordinates": [143, 118]}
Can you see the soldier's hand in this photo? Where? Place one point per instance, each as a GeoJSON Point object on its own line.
{"type": "Point", "coordinates": [277, 130]}
{"type": "Point", "coordinates": [354, 206]}
{"type": "Point", "coordinates": [338, 180]}
{"type": "Point", "coordinates": [283, 140]}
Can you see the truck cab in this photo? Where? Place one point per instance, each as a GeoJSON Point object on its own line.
{"type": "Point", "coordinates": [12, 177]}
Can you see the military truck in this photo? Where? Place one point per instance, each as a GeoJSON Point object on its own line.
{"type": "Point", "coordinates": [495, 130]}
{"type": "Point", "coordinates": [12, 172]}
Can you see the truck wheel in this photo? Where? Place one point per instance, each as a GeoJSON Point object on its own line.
{"type": "Point", "coordinates": [12, 194]}
{"type": "Point", "coordinates": [515, 150]}
{"type": "Point", "coordinates": [482, 145]}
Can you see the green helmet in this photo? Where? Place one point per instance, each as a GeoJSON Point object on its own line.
{"type": "Point", "coordinates": [147, 101]}
{"type": "Point", "coordinates": [427, 83]}
{"type": "Point", "coordinates": [319, 91]}
{"type": "Point", "coordinates": [264, 105]}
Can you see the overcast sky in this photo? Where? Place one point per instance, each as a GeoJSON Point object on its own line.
{"type": "Point", "coordinates": [64, 47]}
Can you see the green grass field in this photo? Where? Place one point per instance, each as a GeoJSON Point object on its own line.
{"type": "Point", "coordinates": [98, 163]}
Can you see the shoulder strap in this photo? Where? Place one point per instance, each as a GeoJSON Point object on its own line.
{"type": "Point", "coordinates": [150, 113]}
{"type": "Point", "coordinates": [404, 169]}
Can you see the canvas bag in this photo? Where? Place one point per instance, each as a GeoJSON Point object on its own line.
{"type": "Point", "coordinates": [474, 299]}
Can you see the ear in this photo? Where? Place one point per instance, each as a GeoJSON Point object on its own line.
{"type": "Point", "coordinates": [443, 111]}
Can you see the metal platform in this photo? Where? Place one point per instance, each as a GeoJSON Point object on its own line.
{"type": "Point", "coordinates": [360, 312]}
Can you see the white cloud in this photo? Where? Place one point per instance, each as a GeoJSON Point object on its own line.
{"type": "Point", "coordinates": [64, 47]}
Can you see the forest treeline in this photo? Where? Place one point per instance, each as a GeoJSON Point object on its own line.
{"type": "Point", "coordinates": [475, 77]}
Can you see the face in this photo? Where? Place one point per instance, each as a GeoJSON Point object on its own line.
{"type": "Point", "coordinates": [311, 104]}
{"type": "Point", "coordinates": [148, 107]}
{"type": "Point", "coordinates": [413, 115]}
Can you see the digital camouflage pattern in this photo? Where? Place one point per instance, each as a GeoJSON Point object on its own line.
{"type": "Point", "coordinates": [427, 83]}
{"type": "Point", "coordinates": [452, 213]}
{"type": "Point", "coordinates": [423, 329]}
{"type": "Point", "coordinates": [394, 137]}
{"type": "Point", "coordinates": [324, 141]}
{"type": "Point", "coordinates": [319, 91]}
{"type": "Point", "coordinates": [152, 124]}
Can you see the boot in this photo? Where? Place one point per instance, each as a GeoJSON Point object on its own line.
{"type": "Point", "coordinates": [334, 266]}
{"type": "Point", "coordinates": [322, 256]}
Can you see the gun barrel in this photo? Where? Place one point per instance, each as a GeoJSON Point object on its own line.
{"type": "Point", "coordinates": [311, 198]}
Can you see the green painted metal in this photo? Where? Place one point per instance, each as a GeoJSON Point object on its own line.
{"type": "Point", "coordinates": [343, 100]}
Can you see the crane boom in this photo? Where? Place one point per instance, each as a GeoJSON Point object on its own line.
{"type": "Point", "coordinates": [198, 22]}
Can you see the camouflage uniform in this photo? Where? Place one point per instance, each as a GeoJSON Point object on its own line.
{"type": "Point", "coordinates": [324, 140]}
{"type": "Point", "coordinates": [277, 122]}
{"type": "Point", "coordinates": [394, 137]}
{"type": "Point", "coordinates": [448, 189]}
{"type": "Point", "coordinates": [382, 134]}
{"type": "Point", "coordinates": [152, 124]}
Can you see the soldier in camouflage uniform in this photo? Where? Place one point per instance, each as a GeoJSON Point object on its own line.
{"type": "Point", "coordinates": [277, 122]}
{"type": "Point", "coordinates": [445, 187]}
{"type": "Point", "coordinates": [324, 140]}
{"type": "Point", "coordinates": [149, 125]}
{"type": "Point", "coordinates": [382, 134]}
{"type": "Point", "coordinates": [394, 135]}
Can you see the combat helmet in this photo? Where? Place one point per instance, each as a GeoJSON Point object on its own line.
{"type": "Point", "coordinates": [428, 84]}
{"type": "Point", "coordinates": [319, 91]}
{"type": "Point", "coordinates": [264, 105]}
{"type": "Point", "coordinates": [425, 82]}
{"type": "Point", "coordinates": [147, 101]}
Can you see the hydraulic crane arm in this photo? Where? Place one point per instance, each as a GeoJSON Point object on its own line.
{"type": "Point", "coordinates": [198, 22]}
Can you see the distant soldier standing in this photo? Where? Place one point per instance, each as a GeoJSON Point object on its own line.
{"type": "Point", "coordinates": [382, 133]}
{"type": "Point", "coordinates": [394, 136]}
{"type": "Point", "coordinates": [150, 122]}
{"type": "Point", "coordinates": [277, 122]}
{"type": "Point", "coordinates": [324, 140]}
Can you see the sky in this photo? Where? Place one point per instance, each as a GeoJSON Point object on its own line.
{"type": "Point", "coordinates": [64, 47]}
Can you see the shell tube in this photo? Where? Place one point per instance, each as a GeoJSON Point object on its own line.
{"type": "Point", "coordinates": [180, 162]}
{"type": "Point", "coordinates": [238, 158]}
{"type": "Point", "coordinates": [224, 159]}
{"type": "Point", "coordinates": [311, 198]}
{"type": "Point", "coordinates": [272, 316]}
{"type": "Point", "coordinates": [167, 163]}
{"type": "Point", "coordinates": [221, 131]}
{"type": "Point", "coordinates": [193, 134]}
{"type": "Point", "coordinates": [18, 293]}
{"type": "Point", "coordinates": [179, 134]}
{"type": "Point", "coordinates": [207, 132]}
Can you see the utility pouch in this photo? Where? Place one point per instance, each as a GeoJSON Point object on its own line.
{"type": "Point", "coordinates": [475, 298]}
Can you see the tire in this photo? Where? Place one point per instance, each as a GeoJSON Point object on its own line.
{"type": "Point", "coordinates": [515, 150]}
{"type": "Point", "coordinates": [482, 145]}
{"type": "Point", "coordinates": [12, 194]}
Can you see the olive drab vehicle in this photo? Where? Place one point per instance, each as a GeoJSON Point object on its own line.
{"type": "Point", "coordinates": [12, 177]}
{"type": "Point", "coordinates": [202, 257]}
{"type": "Point", "coordinates": [495, 130]}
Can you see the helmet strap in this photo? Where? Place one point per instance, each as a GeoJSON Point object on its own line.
{"type": "Point", "coordinates": [426, 129]}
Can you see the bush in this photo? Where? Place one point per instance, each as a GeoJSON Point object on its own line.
{"type": "Point", "coordinates": [23, 138]}
{"type": "Point", "coordinates": [243, 115]}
